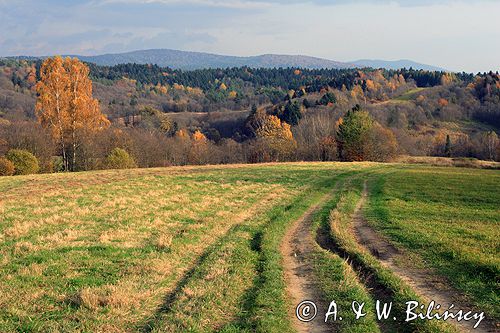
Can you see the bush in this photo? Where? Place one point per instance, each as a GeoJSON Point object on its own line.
{"type": "Point", "coordinates": [353, 135]}
{"type": "Point", "coordinates": [57, 164]}
{"type": "Point", "coordinates": [382, 145]}
{"type": "Point", "coordinates": [328, 98]}
{"type": "Point", "coordinates": [6, 167]}
{"type": "Point", "coordinates": [119, 159]}
{"type": "Point", "coordinates": [25, 163]}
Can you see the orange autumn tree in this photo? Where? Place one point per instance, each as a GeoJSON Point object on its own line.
{"type": "Point", "coordinates": [65, 105]}
{"type": "Point", "coordinates": [277, 138]}
{"type": "Point", "coordinates": [199, 148]}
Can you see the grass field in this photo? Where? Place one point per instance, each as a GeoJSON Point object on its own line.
{"type": "Point", "coordinates": [409, 95]}
{"type": "Point", "coordinates": [198, 248]}
{"type": "Point", "coordinates": [449, 219]}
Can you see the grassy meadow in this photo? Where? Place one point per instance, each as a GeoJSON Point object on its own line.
{"type": "Point", "coordinates": [449, 220]}
{"type": "Point", "coordinates": [197, 249]}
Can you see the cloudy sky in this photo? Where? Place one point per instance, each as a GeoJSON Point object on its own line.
{"type": "Point", "coordinates": [454, 34]}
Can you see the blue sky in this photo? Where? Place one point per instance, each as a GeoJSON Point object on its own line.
{"type": "Point", "coordinates": [454, 34]}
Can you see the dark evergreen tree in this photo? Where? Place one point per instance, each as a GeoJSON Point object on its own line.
{"type": "Point", "coordinates": [307, 104]}
{"type": "Point", "coordinates": [291, 114]}
{"type": "Point", "coordinates": [327, 99]}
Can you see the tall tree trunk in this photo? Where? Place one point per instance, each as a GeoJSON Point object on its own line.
{"type": "Point", "coordinates": [65, 157]}
{"type": "Point", "coordinates": [74, 150]}
{"type": "Point", "coordinates": [61, 129]}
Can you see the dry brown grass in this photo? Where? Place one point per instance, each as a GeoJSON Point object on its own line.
{"type": "Point", "coordinates": [449, 162]}
{"type": "Point", "coordinates": [164, 241]}
{"type": "Point", "coordinates": [125, 238]}
{"type": "Point", "coordinates": [89, 298]}
{"type": "Point", "coordinates": [33, 269]}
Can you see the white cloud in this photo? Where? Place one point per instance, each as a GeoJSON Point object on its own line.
{"type": "Point", "coordinates": [452, 34]}
{"type": "Point", "coordinates": [237, 4]}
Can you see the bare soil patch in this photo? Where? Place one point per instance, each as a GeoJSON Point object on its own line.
{"type": "Point", "coordinates": [297, 246]}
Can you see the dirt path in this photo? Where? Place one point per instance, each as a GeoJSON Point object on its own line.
{"type": "Point", "coordinates": [297, 246]}
{"type": "Point", "coordinates": [423, 281]}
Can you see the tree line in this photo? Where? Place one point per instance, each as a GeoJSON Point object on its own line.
{"type": "Point", "coordinates": [75, 131]}
{"type": "Point", "coordinates": [286, 78]}
{"type": "Point", "coordinates": [66, 110]}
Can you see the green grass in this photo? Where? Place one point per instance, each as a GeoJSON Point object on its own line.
{"type": "Point", "coordinates": [338, 281]}
{"type": "Point", "coordinates": [240, 280]}
{"type": "Point", "coordinates": [409, 95]}
{"type": "Point", "coordinates": [449, 218]}
{"type": "Point", "coordinates": [393, 289]}
{"type": "Point", "coordinates": [197, 249]}
{"type": "Point", "coordinates": [79, 248]}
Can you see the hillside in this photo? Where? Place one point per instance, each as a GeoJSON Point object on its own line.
{"type": "Point", "coordinates": [395, 64]}
{"type": "Point", "coordinates": [187, 60]}
{"type": "Point", "coordinates": [147, 246]}
{"type": "Point", "coordinates": [196, 60]}
{"type": "Point", "coordinates": [150, 108]}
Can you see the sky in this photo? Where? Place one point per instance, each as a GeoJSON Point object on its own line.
{"type": "Point", "coordinates": [453, 34]}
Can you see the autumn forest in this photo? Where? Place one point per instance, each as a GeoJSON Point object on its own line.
{"type": "Point", "coordinates": [61, 114]}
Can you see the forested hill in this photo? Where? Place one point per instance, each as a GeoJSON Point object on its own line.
{"type": "Point", "coordinates": [396, 64]}
{"type": "Point", "coordinates": [426, 112]}
{"type": "Point", "coordinates": [198, 60]}
{"type": "Point", "coordinates": [187, 60]}
{"type": "Point", "coordinates": [279, 78]}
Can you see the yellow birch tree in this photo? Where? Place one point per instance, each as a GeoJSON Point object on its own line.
{"type": "Point", "coordinates": [65, 105]}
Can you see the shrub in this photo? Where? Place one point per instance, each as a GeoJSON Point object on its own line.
{"type": "Point", "coordinates": [328, 98]}
{"type": "Point", "coordinates": [119, 159]}
{"type": "Point", "coordinates": [57, 164]}
{"type": "Point", "coordinates": [382, 145]}
{"type": "Point", "coordinates": [328, 148]}
{"type": "Point", "coordinates": [6, 167]}
{"type": "Point", "coordinates": [353, 134]}
{"type": "Point", "coordinates": [25, 163]}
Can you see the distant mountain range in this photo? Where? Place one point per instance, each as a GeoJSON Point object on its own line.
{"type": "Point", "coordinates": [195, 60]}
{"type": "Point", "coordinates": [396, 64]}
{"type": "Point", "coordinates": [187, 60]}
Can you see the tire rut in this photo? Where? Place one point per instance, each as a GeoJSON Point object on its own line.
{"type": "Point", "coordinates": [367, 277]}
{"type": "Point", "coordinates": [297, 246]}
{"type": "Point", "coordinates": [423, 281]}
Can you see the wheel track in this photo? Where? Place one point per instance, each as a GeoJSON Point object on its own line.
{"type": "Point", "coordinates": [423, 281]}
{"type": "Point", "coordinates": [297, 246]}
